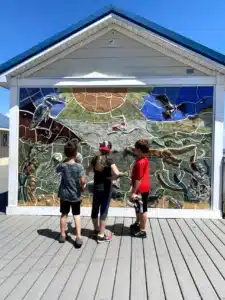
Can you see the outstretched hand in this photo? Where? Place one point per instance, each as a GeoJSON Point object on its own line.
{"type": "Point", "coordinates": [124, 174]}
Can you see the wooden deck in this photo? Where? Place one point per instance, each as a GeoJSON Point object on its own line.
{"type": "Point", "coordinates": [180, 259]}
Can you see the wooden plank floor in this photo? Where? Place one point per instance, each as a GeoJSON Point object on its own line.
{"type": "Point", "coordinates": [180, 259]}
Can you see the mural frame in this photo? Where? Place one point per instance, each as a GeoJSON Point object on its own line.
{"type": "Point", "coordinates": [176, 120]}
{"type": "Point", "coordinates": [214, 212]}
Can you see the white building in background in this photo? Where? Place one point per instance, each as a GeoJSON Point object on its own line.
{"type": "Point", "coordinates": [4, 136]}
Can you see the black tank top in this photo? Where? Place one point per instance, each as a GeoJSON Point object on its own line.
{"type": "Point", "coordinates": [103, 178]}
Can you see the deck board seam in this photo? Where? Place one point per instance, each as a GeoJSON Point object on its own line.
{"type": "Point", "coordinates": [222, 221]}
{"type": "Point", "coordinates": [26, 236]}
{"type": "Point", "coordinates": [145, 270]}
{"type": "Point", "coordinates": [198, 261]}
{"type": "Point", "coordinates": [32, 267]}
{"type": "Point", "coordinates": [187, 265]}
{"type": "Point", "coordinates": [157, 257]}
{"type": "Point", "coordinates": [25, 257]}
{"type": "Point", "coordinates": [19, 233]}
{"type": "Point", "coordinates": [84, 247]}
{"type": "Point", "coordinates": [14, 224]}
{"type": "Point", "coordinates": [24, 273]}
{"type": "Point", "coordinates": [220, 229]}
{"type": "Point", "coordinates": [223, 256]}
{"type": "Point", "coordinates": [205, 235]}
{"type": "Point", "coordinates": [86, 272]}
{"type": "Point", "coordinates": [71, 249]}
{"type": "Point", "coordinates": [131, 256]}
{"type": "Point", "coordinates": [206, 250]}
{"type": "Point", "coordinates": [171, 259]}
{"type": "Point", "coordinates": [7, 218]}
{"type": "Point", "coordinates": [96, 290]}
{"type": "Point", "coordinates": [78, 292]}
{"type": "Point", "coordinates": [117, 261]}
{"type": "Point", "coordinates": [42, 271]}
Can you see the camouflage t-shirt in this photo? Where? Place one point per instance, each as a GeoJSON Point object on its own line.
{"type": "Point", "coordinates": [70, 188]}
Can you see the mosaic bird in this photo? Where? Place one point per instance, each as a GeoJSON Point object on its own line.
{"type": "Point", "coordinates": [169, 108]}
{"type": "Point", "coordinates": [43, 110]}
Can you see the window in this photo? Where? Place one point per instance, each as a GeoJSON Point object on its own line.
{"type": "Point", "coordinates": [4, 139]}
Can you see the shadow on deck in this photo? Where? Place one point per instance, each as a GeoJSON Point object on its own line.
{"type": "Point", "coordinates": [180, 259]}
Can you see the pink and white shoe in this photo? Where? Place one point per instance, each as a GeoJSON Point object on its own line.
{"type": "Point", "coordinates": [103, 238]}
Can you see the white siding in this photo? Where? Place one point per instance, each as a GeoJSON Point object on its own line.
{"type": "Point", "coordinates": [4, 144]}
{"type": "Point", "coordinates": [115, 55]}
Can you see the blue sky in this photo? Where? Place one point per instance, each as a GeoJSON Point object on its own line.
{"type": "Point", "coordinates": [25, 23]}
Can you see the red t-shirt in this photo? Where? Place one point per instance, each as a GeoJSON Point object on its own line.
{"type": "Point", "coordinates": [141, 172]}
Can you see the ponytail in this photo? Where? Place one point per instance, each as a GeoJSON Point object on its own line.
{"type": "Point", "coordinates": [99, 162]}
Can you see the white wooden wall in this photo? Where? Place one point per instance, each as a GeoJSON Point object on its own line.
{"type": "Point", "coordinates": [4, 148]}
{"type": "Point", "coordinates": [115, 54]}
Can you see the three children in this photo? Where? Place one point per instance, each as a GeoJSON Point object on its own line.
{"type": "Point", "coordinates": [105, 171]}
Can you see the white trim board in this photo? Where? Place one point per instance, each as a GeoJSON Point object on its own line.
{"type": "Point", "coordinates": [120, 212]}
{"type": "Point", "coordinates": [217, 142]}
{"type": "Point", "coordinates": [102, 82]}
{"type": "Point", "coordinates": [13, 169]}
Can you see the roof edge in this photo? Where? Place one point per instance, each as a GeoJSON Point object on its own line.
{"type": "Point", "coordinates": [172, 36]}
{"type": "Point", "coordinates": [56, 38]}
{"type": "Point", "coordinates": [131, 17]}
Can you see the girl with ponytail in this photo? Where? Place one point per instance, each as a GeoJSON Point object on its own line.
{"type": "Point", "coordinates": [105, 171]}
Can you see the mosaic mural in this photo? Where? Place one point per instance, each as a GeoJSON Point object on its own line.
{"type": "Point", "coordinates": [176, 120]}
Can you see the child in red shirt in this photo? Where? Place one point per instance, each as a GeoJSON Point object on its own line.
{"type": "Point", "coordinates": [140, 187]}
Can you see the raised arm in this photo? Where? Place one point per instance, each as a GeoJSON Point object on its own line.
{"type": "Point", "coordinates": [116, 173]}
{"type": "Point", "coordinates": [115, 170]}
